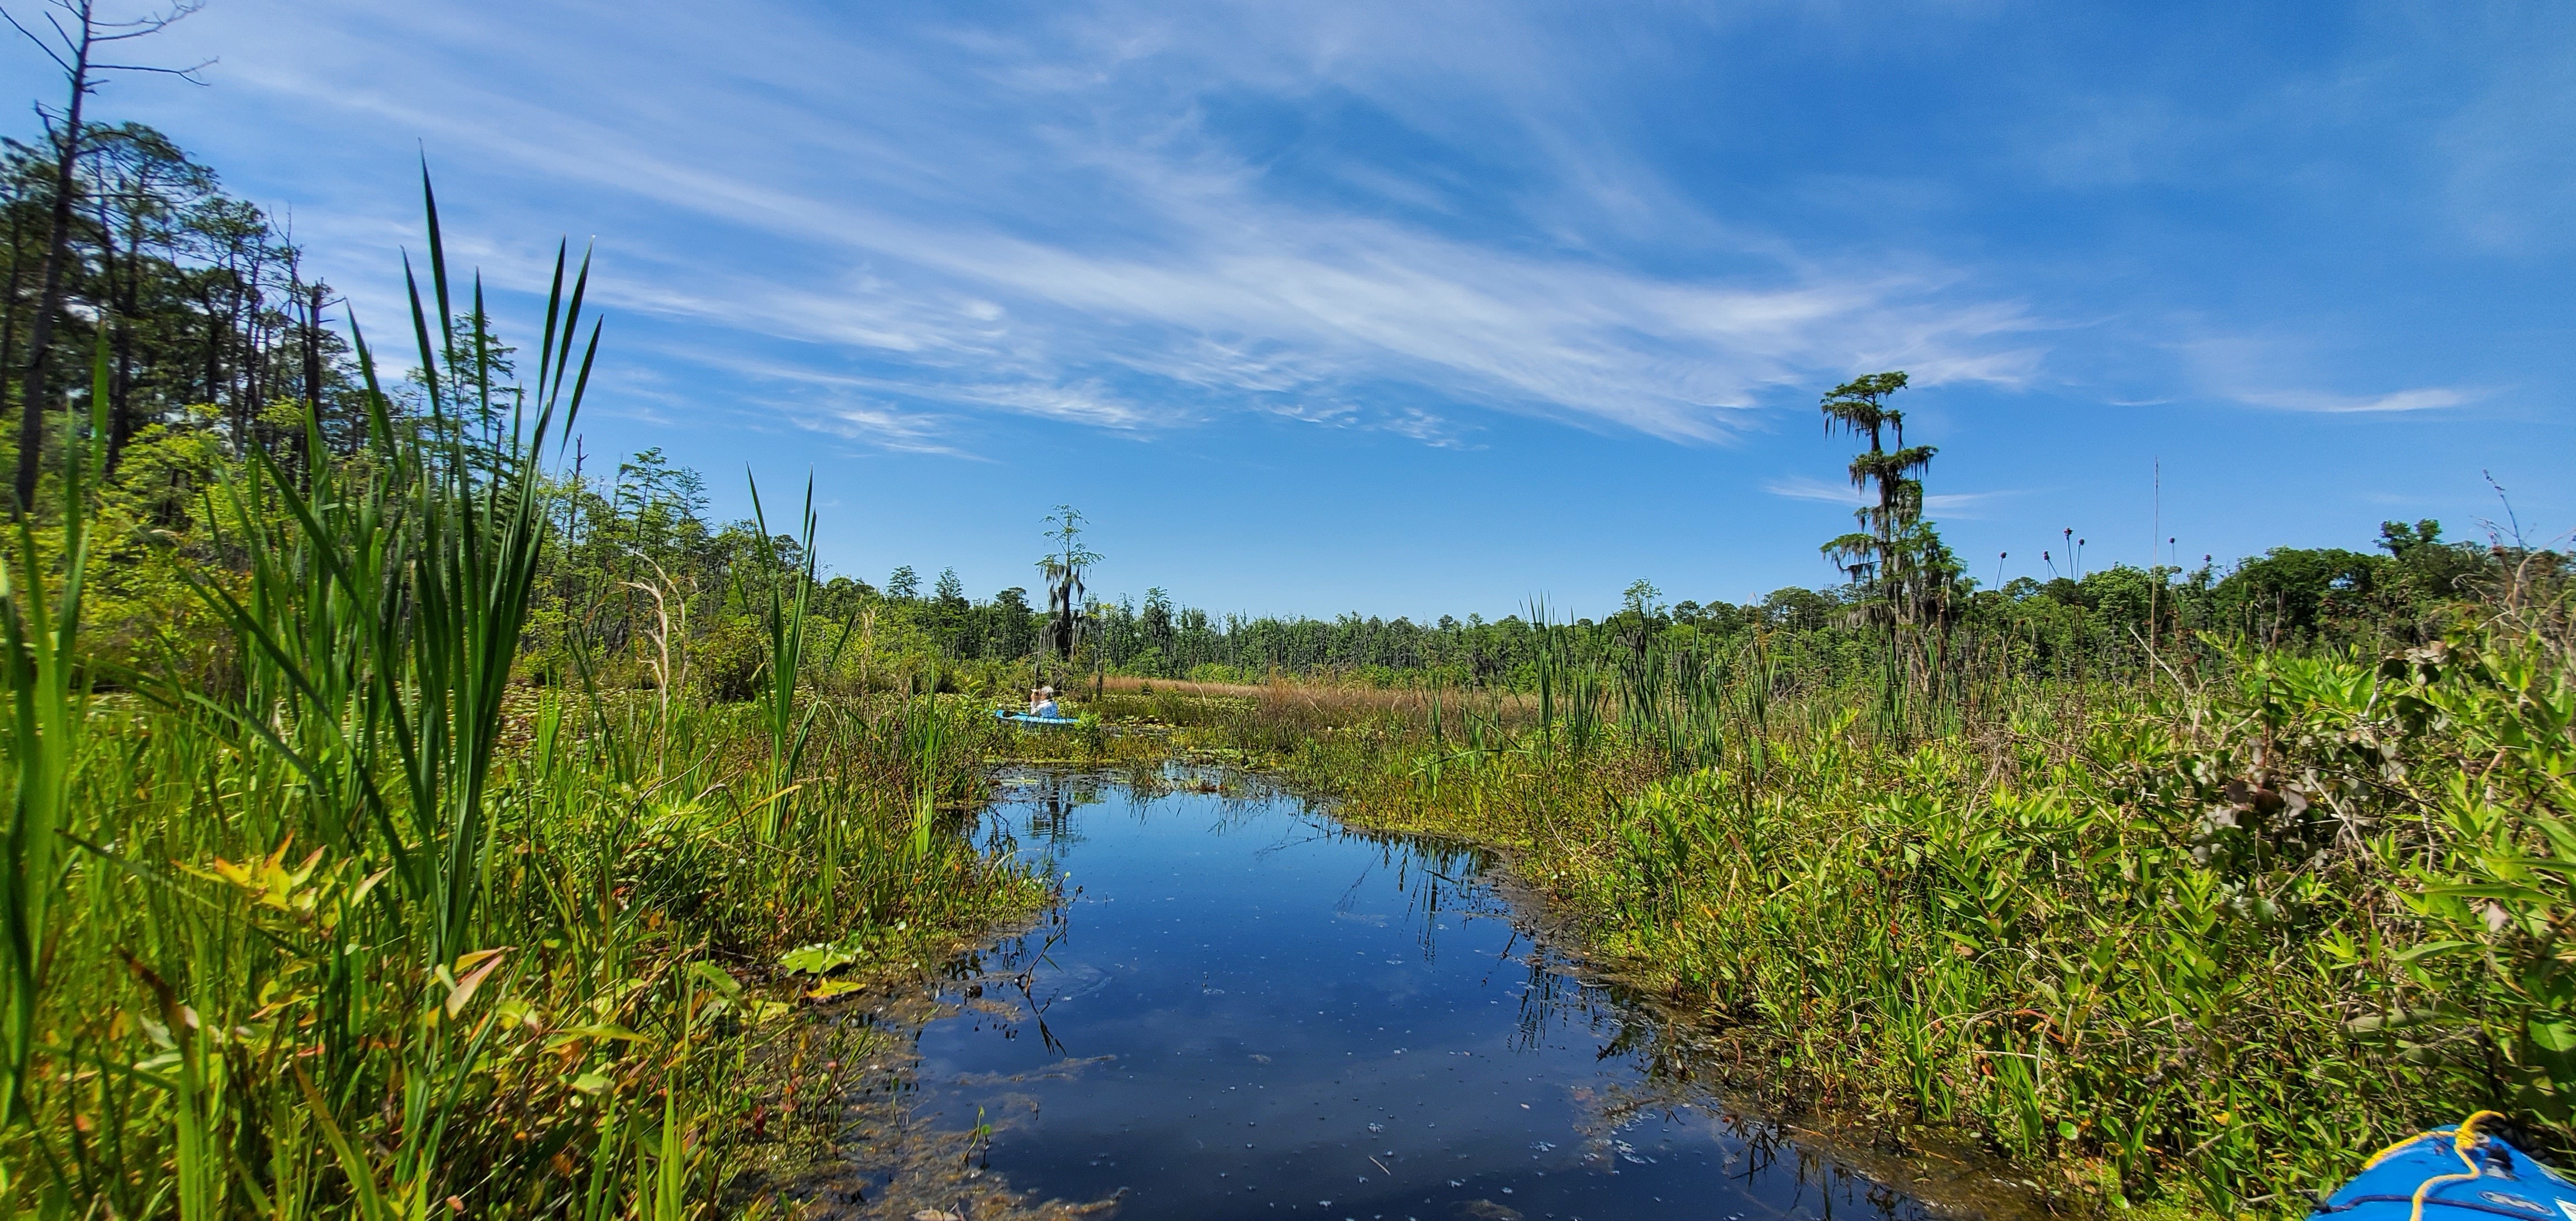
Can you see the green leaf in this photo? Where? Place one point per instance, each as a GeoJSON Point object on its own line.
{"type": "Point", "coordinates": [2506, 891]}
{"type": "Point", "coordinates": [2553, 1036]}
{"type": "Point", "coordinates": [817, 959]}
{"type": "Point", "coordinates": [716, 979]}
{"type": "Point", "coordinates": [600, 1030]}
{"type": "Point", "coordinates": [2433, 948]}
{"type": "Point", "coordinates": [2400, 1020]}
{"type": "Point", "coordinates": [372, 1204]}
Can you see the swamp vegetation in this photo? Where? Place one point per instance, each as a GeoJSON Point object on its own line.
{"type": "Point", "coordinates": [407, 819]}
{"type": "Point", "coordinates": [2197, 937]}
{"type": "Point", "coordinates": [318, 905]}
{"type": "Point", "coordinates": [2209, 940]}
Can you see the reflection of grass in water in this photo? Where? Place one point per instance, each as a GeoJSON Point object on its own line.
{"type": "Point", "coordinates": [868, 1151]}
{"type": "Point", "coordinates": [2201, 940]}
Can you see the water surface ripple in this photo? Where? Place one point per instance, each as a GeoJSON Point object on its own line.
{"type": "Point", "coordinates": [1247, 1011]}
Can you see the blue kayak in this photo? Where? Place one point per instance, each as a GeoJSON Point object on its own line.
{"type": "Point", "coordinates": [1025, 719]}
{"type": "Point", "coordinates": [2452, 1174]}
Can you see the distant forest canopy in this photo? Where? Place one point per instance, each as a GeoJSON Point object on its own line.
{"type": "Point", "coordinates": [214, 323]}
{"type": "Point", "coordinates": [219, 340]}
{"type": "Point", "coordinates": [2406, 592]}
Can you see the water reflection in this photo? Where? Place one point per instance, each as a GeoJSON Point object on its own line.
{"type": "Point", "coordinates": [1244, 1010]}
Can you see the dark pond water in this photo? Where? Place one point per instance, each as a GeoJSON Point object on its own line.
{"type": "Point", "coordinates": [1246, 1011]}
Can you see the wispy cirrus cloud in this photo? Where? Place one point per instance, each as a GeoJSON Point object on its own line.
{"type": "Point", "coordinates": [2420, 398]}
{"type": "Point", "coordinates": [2280, 374]}
{"type": "Point", "coordinates": [1079, 228]}
{"type": "Point", "coordinates": [1800, 487]}
{"type": "Point", "coordinates": [1323, 238]}
{"type": "Point", "coordinates": [1950, 504]}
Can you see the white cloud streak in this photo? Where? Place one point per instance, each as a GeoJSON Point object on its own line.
{"type": "Point", "coordinates": [1948, 504]}
{"type": "Point", "coordinates": [1057, 228]}
{"type": "Point", "coordinates": [2421, 398]}
{"type": "Point", "coordinates": [2266, 371]}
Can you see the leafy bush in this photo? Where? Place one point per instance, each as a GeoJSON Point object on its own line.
{"type": "Point", "coordinates": [2211, 941]}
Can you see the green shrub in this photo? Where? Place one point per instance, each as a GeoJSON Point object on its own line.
{"type": "Point", "coordinates": [2211, 941]}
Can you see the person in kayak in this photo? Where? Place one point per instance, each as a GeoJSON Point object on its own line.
{"type": "Point", "coordinates": [1042, 702]}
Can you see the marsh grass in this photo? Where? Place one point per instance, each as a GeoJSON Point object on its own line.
{"type": "Point", "coordinates": [346, 917]}
{"type": "Point", "coordinates": [369, 928]}
{"type": "Point", "coordinates": [2197, 939]}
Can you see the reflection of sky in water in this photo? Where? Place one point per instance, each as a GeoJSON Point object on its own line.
{"type": "Point", "coordinates": [1247, 1013]}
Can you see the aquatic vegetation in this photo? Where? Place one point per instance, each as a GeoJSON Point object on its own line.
{"type": "Point", "coordinates": [373, 925]}
{"type": "Point", "coordinates": [400, 821]}
{"type": "Point", "coordinates": [2199, 930]}
{"type": "Point", "coordinates": [2208, 940]}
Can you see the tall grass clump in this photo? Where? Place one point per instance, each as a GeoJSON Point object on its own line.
{"type": "Point", "coordinates": [2204, 934]}
{"type": "Point", "coordinates": [375, 926]}
{"type": "Point", "coordinates": [40, 629]}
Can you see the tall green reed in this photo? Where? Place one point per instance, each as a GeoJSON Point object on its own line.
{"type": "Point", "coordinates": [2208, 939]}
{"type": "Point", "coordinates": [40, 615]}
{"type": "Point", "coordinates": [364, 926]}
{"type": "Point", "coordinates": [383, 617]}
{"type": "Point", "coordinates": [786, 614]}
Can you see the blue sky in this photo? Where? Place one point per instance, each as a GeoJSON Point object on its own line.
{"type": "Point", "coordinates": [1414, 308]}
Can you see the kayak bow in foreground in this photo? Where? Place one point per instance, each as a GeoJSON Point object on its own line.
{"type": "Point", "coordinates": [2452, 1174]}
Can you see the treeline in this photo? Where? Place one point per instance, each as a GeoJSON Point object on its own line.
{"type": "Point", "coordinates": [2404, 593]}
{"type": "Point", "coordinates": [213, 324]}
{"type": "Point", "coordinates": [645, 569]}
{"type": "Point", "coordinates": [217, 344]}
{"type": "Point", "coordinates": [646, 577]}
{"type": "Point", "coordinates": [648, 585]}
{"type": "Point", "coordinates": [644, 543]}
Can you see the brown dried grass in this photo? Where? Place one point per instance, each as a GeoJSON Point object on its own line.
{"type": "Point", "coordinates": [1336, 704]}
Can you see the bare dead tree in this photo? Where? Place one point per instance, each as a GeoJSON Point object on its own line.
{"type": "Point", "coordinates": [138, 181]}
{"type": "Point", "coordinates": [74, 36]}
{"type": "Point", "coordinates": [304, 303]}
{"type": "Point", "coordinates": [9, 305]}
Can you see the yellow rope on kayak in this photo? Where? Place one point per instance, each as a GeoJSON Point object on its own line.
{"type": "Point", "coordinates": [2461, 1142]}
{"type": "Point", "coordinates": [2392, 1151]}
